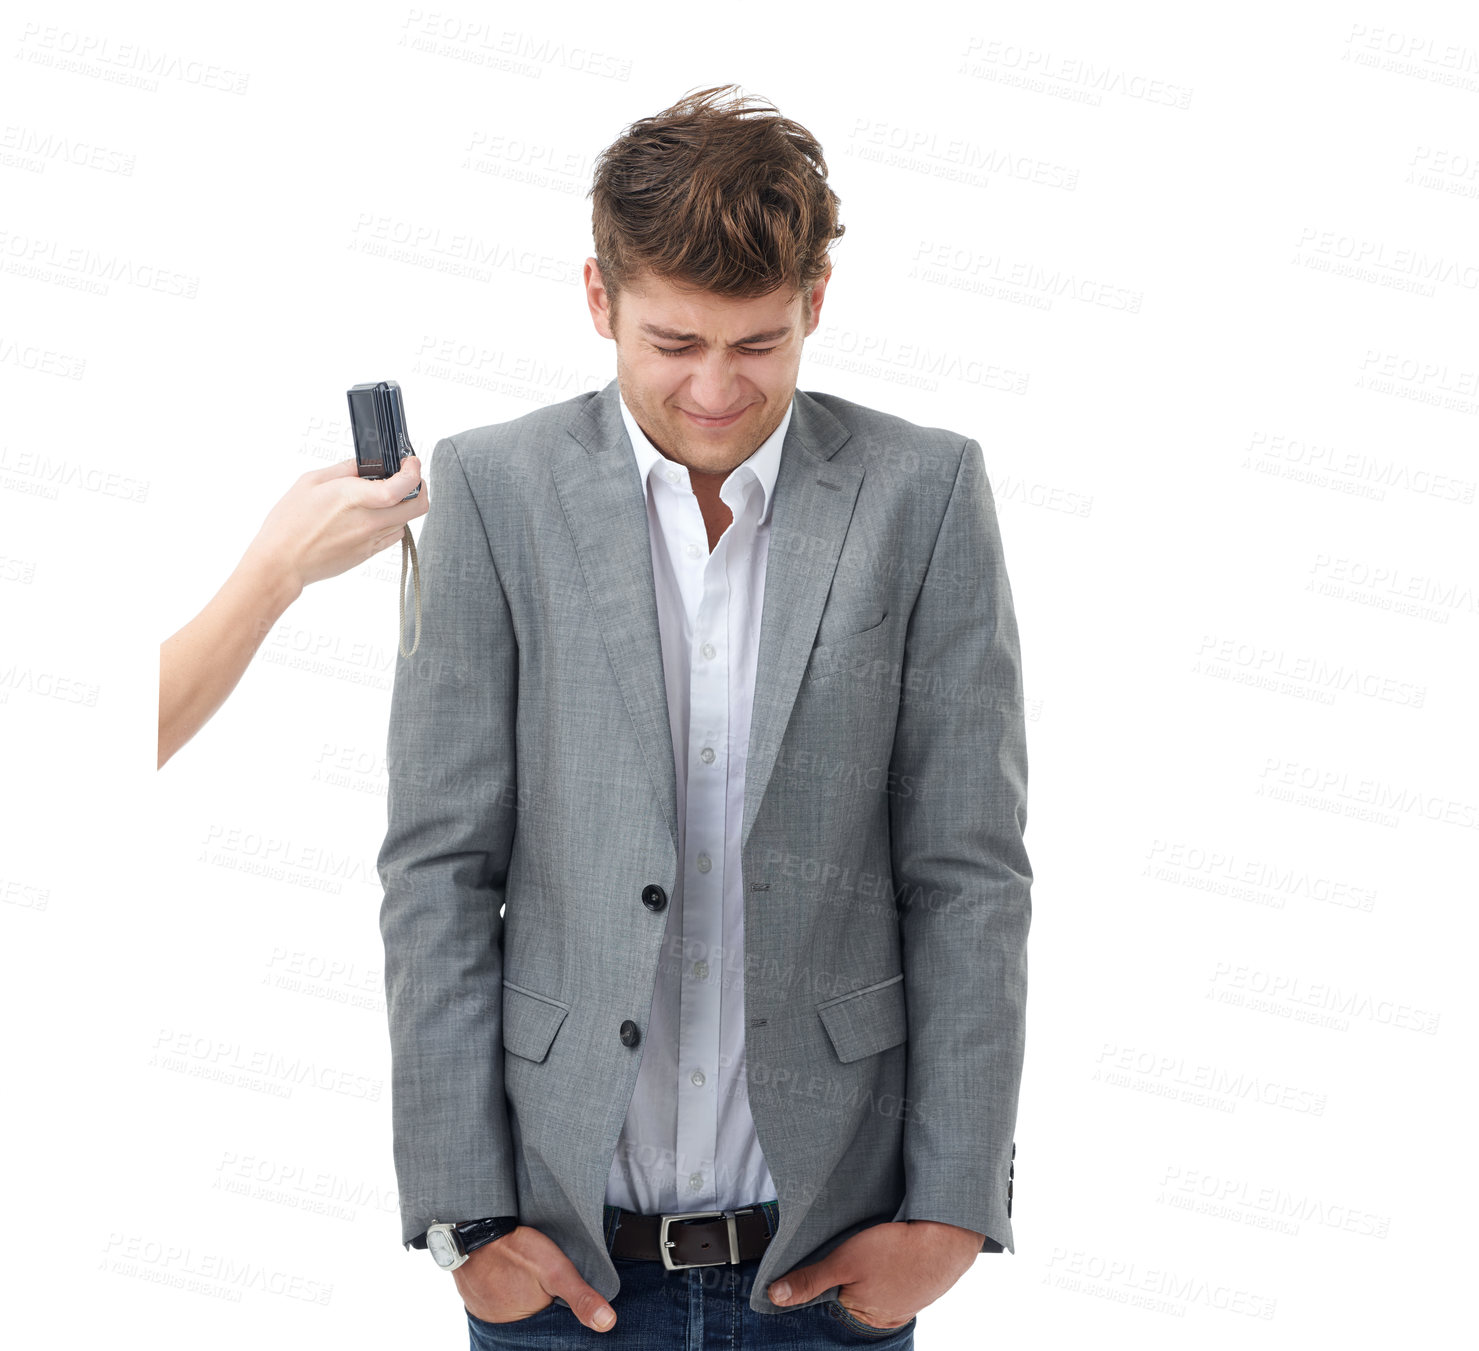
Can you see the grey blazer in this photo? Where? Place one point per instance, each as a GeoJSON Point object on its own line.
{"type": "Point", "coordinates": [532, 834]}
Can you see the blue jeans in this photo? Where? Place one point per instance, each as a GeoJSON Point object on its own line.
{"type": "Point", "coordinates": [695, 1309]}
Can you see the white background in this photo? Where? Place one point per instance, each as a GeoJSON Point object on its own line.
{"type": "Point", "coordinates": [1202, 283]}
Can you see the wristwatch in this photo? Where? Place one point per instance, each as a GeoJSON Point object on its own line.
{"type": "Point", "coordinates": [450, 1244]}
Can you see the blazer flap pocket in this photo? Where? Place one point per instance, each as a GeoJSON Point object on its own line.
{"type": "Point", "coordinates": [845, 624]}
{"type": "Point", "coordinates": [530, 1021]}
{"type": "Point", "coordinates": [852, 652]}
{"type": "Point", "coordinates": [868, 1020]}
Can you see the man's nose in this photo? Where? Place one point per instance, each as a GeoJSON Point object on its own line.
{"type": "Point", "coordinates": [715, 387]}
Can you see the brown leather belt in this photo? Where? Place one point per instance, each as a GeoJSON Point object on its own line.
{"type": "Point", "coordinates": [698, 1238]}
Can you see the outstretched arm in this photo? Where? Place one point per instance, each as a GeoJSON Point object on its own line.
{"type": "Point", "coordinates": [330, 520]}
{"type": "Point", "coordinates": [202, 663]}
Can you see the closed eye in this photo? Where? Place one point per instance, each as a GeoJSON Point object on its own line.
{"type": "Point", "coordinates": [748, 351]}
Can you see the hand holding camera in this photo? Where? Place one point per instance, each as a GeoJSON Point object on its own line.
{"type": "Point", "coordinates": [329, 521]}
{"type": "Point", "coordinates": [332, 519]}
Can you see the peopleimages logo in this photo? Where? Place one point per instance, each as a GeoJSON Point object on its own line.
{"type": "Point", "coordinates": [1200, 1083]}
{"type": "Point", "coordinates": [129, 63]}
{"type": "Point", "coordinates": [1119, 1279]}
{"type": "Point", "coordinates": [1322, 996]}
{"type": "Point", "coordinates": [44, 259]}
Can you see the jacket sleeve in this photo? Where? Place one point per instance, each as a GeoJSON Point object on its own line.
{"type": "Point", "coordinates": [961, 873]}
{"type": "Point", "coordinates": [443, 867]}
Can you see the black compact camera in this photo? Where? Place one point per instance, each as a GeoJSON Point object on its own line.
{"type": "Point", "coordinates": [377, 416]}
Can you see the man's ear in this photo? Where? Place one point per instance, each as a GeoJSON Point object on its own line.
{"type": "Point", "coordinates": [598, 299]}
{"type": "Point", "coordinates": [817, 293]}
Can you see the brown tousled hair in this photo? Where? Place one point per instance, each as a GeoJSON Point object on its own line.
{"type": "Point", "coordinates": [721, 196]}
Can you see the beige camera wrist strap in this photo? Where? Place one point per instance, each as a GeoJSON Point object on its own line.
{"type": "Point", "coordinates": [408, 545]}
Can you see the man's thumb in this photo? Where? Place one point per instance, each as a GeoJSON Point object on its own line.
{"type": "Point", "coordinates": [796, 1287]}
{"type": "Point", "coordinates": [587, 1305]}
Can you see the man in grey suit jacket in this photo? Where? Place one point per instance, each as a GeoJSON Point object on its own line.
{"type": "Point", "coordinates": [539, 849]}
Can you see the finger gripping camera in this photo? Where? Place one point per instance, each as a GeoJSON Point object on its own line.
{"type": "Point", "coordinates": [377, 416]}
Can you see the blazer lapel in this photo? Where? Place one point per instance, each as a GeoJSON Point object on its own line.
{"type": "Point", "coordinates": [605, 511]}
{"type": "Point", "coordinates": [811, 509]}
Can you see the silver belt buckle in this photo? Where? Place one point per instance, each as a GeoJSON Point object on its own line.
{"type": "Point", "coordinates": [664, 1243]}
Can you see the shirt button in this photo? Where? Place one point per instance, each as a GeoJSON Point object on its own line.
{"type": "Point", "coordinates": [693, 551]}
{"type": "Point", "coordinates": [704, 863]}
{"type": "Point", "coordinates": [695, 1181]}
{"type": "Point", "coordinates": [671, 475]}
{"type": "Point", "coordinates": [707, 755]}
{"type": "Point", "coordinates": [698, 1078]}
{"type": "Point", "coordinates": [708, 650]}
{"type": "Point", "coordinates": [700, 969]}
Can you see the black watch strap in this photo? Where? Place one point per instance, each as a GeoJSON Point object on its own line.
{"type": "Point", "coordinates": [507, 1224]}
{"type": "Point", "coordinates": [475, 1233]}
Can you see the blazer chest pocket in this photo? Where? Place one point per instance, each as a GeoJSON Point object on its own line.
{"type": "Point", "coordinates": [866, 1021]}
{"type": "Point", "coordinates": [847, 651]}
{"type": "Point", "coordinates": [530, 1021]}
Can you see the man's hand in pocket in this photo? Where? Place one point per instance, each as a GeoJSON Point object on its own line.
{"type": "Point", "coordinates": [518, 1275]}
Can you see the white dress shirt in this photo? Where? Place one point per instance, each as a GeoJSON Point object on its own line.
{"type": "Point", "coordinates": [688, 1142]}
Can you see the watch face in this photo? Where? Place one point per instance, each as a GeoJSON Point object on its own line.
{"type": "Point", "coordinates": [439, 1243]}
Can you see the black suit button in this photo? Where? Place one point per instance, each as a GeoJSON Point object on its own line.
{"type": "Point", "coordinates": [654, 897]}
{"type": "Point", "coordinates": [630, 1036]}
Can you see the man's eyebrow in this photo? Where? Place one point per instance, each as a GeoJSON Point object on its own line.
{"type": "Point", "coordinates": [770, 336]}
